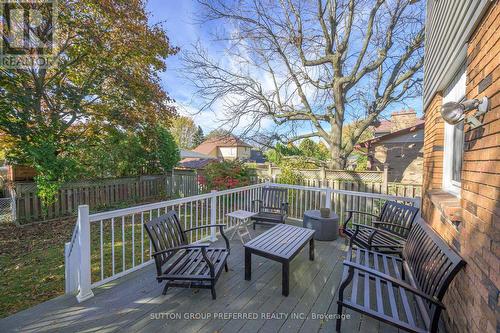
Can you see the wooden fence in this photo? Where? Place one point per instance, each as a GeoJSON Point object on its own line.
{"type": "Point", "coordinates": [100, 194]}
{"type": "Point", "coordinates": [272, 172]}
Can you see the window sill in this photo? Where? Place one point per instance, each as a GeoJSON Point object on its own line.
{"type": "Point", "coordinates": [448, 204]}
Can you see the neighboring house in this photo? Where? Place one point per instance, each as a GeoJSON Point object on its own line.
{"type": "Point", "coordinates": [219, 148]}
{"type": "Point", "coordinates": [226, 147]}
{"type": "Point", "coordinates": [399, 120]}
{"type": "Point", "coordinates": [398, 143]}
{"type": "Point", "coordinates": [461, 195]}
{"type": "Point", "coordinates": [195, 160]}
{"type": "Point", "coordinates": [257, 156]}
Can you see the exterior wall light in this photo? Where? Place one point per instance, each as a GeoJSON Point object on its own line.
{"type": "Point", "coordinates": [454, 112]}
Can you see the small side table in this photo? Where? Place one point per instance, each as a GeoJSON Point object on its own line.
{"type": "Point", "coordinates": [326, 227]}
{"type": "Point", "coordinates": [241, 217]}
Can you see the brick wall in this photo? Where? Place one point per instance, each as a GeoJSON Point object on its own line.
{"type": "Point", "coordinates": [403, 119]}
{"type": "Point", "coordinates": [474, 229]}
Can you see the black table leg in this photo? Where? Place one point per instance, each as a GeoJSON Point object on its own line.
{"type": "Point", "coordinates": [248, 264]}
{"type": "Point", "coordinates": [311, 249]}
{"type": "Point", "coordinates": [285, 276]}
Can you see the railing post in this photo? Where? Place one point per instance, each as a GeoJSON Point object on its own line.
{"type": "Point", "coordinates": [84, 280]}
{"type": "Point", "coordinates": [67, 286]}
{"type": "Point", "coordinates": [328, 198]}
{"type": "Point", "coordinates": [213, 216]}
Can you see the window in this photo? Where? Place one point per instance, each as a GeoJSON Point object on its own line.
{"type": "Point", "coordinates": [454, 137]}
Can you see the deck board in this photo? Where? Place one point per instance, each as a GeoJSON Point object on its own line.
{"type": "Point", "coordinates": [128, 303]}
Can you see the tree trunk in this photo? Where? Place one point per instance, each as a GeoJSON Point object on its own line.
{"type": "Point", "coordinates": [335, 150]}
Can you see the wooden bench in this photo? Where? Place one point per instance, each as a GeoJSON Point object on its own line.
{"type": "Point", "coordinates": [387, 232]}
{"type": "Point", "coordinates": [272, 207]}
{"type": "Point", "coordinates": [418, 281]}
{"type": "Point", "coordinates": [182, 264]}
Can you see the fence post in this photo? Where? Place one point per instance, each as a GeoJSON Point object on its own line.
{"type": "Point", "coordinates": [213, 215]}
{"type": "Point", "coordinates": [84, 280]}
{"type": "Point", "coordinates": [385, 179]}
{"type": "Point", "coordinates": [328, 198]}
{"type": "Point", "coordinates": [323, 175]}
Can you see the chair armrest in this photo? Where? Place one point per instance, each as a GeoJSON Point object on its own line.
{"type": "Point", "coordinates": [376, 230]}
{"type": "Point", "coordinates": [205, 226]}
{"type": "Point", "coordinates": [221, 230]}
{"type": "Point", "coordinates": [182, 247]}
{"type": "Point", "coordinates": [397, 258]}
{"type": "Point", "coordinates": [394, 281]}
{"type": "Point", "coordinates": [360, 212]}
{"type": "Point", "coordinates": [350, 214]}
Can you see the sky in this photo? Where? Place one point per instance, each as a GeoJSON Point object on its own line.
{"type": "Point", "coordinates": [179, 19]}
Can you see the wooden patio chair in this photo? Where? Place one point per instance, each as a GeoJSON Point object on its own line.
{"type": "Point", "coordinates": [272, 207]}
{"type": "Point", "coordinates": [181, 264]}
{"type": "Point", "coordinates": [387, 232]}
{"type": "Point", "coordinates": [404, 292]}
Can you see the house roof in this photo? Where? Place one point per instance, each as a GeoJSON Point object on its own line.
{"type": "Point", "coordinates": [225, 141]}
{"type": "Point", "coordinates": [195, 163]}
{"type": "Point", "coordinates": [365, 144]}
{"type": "Point", "coordinates": [193, 154]}
{"type": "Point", "coordinates": [385, 126]}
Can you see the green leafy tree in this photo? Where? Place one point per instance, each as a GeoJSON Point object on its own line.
{"type": "Point", "coordinates": [199, 137]}
{"type": "Point", "coordinates": [185, 132]}
{"type": "Point", "coordinates": [280, 151]}
{"type": "Point", "coordinates": [104, 71]}
{"type": "Point", "coordinates": [218, 133]}
{"type": "Point", "coordinates": [164, 150]}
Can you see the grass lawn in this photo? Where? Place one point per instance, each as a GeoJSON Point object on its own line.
{"type": "Point", "coordinates": [32, 263]}
{"type": "Point", "coordinates": [32, 257]}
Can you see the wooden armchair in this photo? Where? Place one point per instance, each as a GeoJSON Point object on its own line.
{"type": "Point", "coordinates": [272, 207]}
{"type": "Point", "coordinates": [405, 292]}
{"type": "Point", "coordinates": [387, 232]}
{"type": "Point", "coordinates": [182, 264]}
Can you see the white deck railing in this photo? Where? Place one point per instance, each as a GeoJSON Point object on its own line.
{"type": "Point", "coordinates": [105, 246]}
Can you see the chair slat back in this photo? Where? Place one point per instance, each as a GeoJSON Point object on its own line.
{"type": "Point", "coordinates": [400, 214]}
{"type": "Point", "coordinates": [432, 262]}
{"type": "Point", "coordinates": [273, 197]}
{"type": "Point", "coordinates": [165, 232]}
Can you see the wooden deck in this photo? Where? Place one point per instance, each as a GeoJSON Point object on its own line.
{"type": "Point", "coordinates": [134, 303]}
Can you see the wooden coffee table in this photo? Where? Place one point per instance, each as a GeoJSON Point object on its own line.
{"type": "Point", "coordinates": [281, 243]}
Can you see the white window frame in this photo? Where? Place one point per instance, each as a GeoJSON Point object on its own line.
{"type": "Point", "coordinates": [454, 93]}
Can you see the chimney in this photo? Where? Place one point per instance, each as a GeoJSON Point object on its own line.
{"type": "Point", "coordinates": [403, 119]}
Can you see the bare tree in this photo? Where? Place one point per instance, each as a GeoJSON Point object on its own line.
{"type": "Point", "coordinates": [311, 65]}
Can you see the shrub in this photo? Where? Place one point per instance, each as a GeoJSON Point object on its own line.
{"type": "Point", "coordinates": [289, 175]}
{"type": "Point", "coordinates": [225, 175]}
